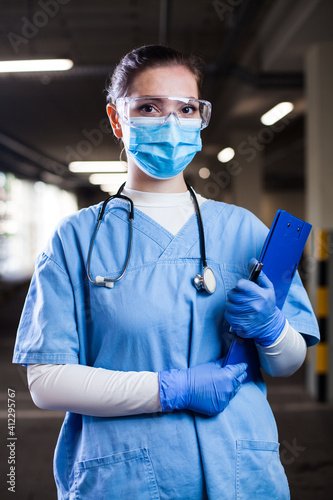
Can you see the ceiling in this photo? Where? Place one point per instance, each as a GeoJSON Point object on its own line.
{"type": "Point", "coordinates": [254, 52]}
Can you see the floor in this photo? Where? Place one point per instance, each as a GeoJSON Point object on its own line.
{"type": "Point", "coordinates": [305, 427]}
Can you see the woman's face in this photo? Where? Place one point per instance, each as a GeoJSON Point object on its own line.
{"type": "Point", "coordinates": [170, 81]}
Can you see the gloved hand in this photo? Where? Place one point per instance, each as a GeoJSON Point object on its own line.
{"type": "Point", "coordinates": [252, 313]}
{"type": "Point", "coordinates": [205, 388]}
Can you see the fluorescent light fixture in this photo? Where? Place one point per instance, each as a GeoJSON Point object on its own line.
{"type": "Point", "coordinates": [35, 65]}
{"type": "Point", "coordinates": [89, 167]}
{"type": "Point", "coordinates": [226, 155]}
{"type": "Point", "coordinates": [204, 173]}
{"type": "Point", "coordinates": [110, 188]}
{"type": "Point", "coordinates": [275, 114]}
{"type": "Point", "coordinates": [98, 179]}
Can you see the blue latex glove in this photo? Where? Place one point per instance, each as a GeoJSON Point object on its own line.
{"type": "Point", "coordinates": [205, 388]}
{"type": "Point", "coordinates": [252, 313]}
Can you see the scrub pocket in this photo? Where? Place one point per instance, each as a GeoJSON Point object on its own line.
{"type": "Point", "coordinates": [120, 476]}
{"type": "Point", "coordinates": [259, 473]}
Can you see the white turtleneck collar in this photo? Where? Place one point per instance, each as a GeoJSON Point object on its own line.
{"type": "Point", "coordinates": [170, 210]}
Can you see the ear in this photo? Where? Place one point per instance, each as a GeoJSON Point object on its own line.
{"type": "Point", "coordinates": [114, 120]}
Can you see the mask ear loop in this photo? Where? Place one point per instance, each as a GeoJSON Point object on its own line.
{"type": "Point", "coordinates": [123, 161]}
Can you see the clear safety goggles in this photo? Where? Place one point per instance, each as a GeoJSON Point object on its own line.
{"type": "Point", "coordinates": [161, 108]}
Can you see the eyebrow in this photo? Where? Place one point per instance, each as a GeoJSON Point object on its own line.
{"type": "Point", "coordinates": [160, 98]}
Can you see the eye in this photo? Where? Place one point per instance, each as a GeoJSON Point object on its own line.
{"type": "Point", "coordinates": [148, 109]}
{"type": "Point", "coordinates": [189, 110]}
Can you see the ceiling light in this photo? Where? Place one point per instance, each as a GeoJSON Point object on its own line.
{"type": "Point", "coordinates": [97, 179]}
{"type": "Point", "coordinates": [35, 65]}
{"type": "Point", "coordinates": [88, 167]}
{"type": "Point", "coordinates": [275, 114]}
{"type": "Point", "coordinates": [110, 188]}
{"type": "Point", "coordinates": [204, 173]}
{"type": "Point", "coordinates": [226, 155]}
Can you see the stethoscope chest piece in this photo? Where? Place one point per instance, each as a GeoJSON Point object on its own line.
{"type": "Point", "coordinates": [205, 282]}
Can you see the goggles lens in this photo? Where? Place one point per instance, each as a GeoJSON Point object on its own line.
{"type": "Point", "coordinates": [182, 108]}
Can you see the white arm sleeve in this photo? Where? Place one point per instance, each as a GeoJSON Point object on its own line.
{"type": "Point", "coordinates": [285, 355]}
{"type": "Point", "coordinates": [93, 391]}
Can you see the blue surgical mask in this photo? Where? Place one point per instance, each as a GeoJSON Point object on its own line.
{"type": "Point", "coordinates": [163, 148]}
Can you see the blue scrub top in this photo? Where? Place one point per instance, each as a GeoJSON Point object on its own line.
{"type": "Point", "coordinates": [154, 319]}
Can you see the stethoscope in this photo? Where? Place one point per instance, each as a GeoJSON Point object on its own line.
{"type": "Point", "coordinates": [205, 282]}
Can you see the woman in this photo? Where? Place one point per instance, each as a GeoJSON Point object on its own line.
{"type": "Point", "coordinates": [137, 361]}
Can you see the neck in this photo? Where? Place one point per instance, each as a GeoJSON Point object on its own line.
{"type": "Point", "coordinates": [138, 180]}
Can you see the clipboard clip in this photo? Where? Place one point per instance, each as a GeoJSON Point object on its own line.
{"type": "Point", "coordinates": [256, 271]}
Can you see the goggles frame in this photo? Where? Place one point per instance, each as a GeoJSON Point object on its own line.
{"type": "Point", "coordinates": [204, 108]}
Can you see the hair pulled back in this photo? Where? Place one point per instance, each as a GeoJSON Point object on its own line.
{"type": "Point", "coordinates": [149, 56]}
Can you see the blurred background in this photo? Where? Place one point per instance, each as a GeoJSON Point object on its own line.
{"type": "Point", "coordinates": [269, 77]}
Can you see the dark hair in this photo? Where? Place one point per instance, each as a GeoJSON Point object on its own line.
{"type": "Point", "coordinates": [149, 56]}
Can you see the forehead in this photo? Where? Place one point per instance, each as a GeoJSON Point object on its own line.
{"type": "Point", "coordinates": [166, 80]}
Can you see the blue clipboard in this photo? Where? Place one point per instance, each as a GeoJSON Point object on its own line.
{"type": "Point", "coordinates": [282, 251]}
{"type": "Point", "coordinates": [279, 259]}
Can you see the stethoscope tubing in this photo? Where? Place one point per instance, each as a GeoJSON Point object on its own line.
{"type": "Point", "coordinates": [206, 281]}
{"type": "Point", "coordinates": [129, 248]}
{"type": "Point", "coordinates": [200, 224]}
